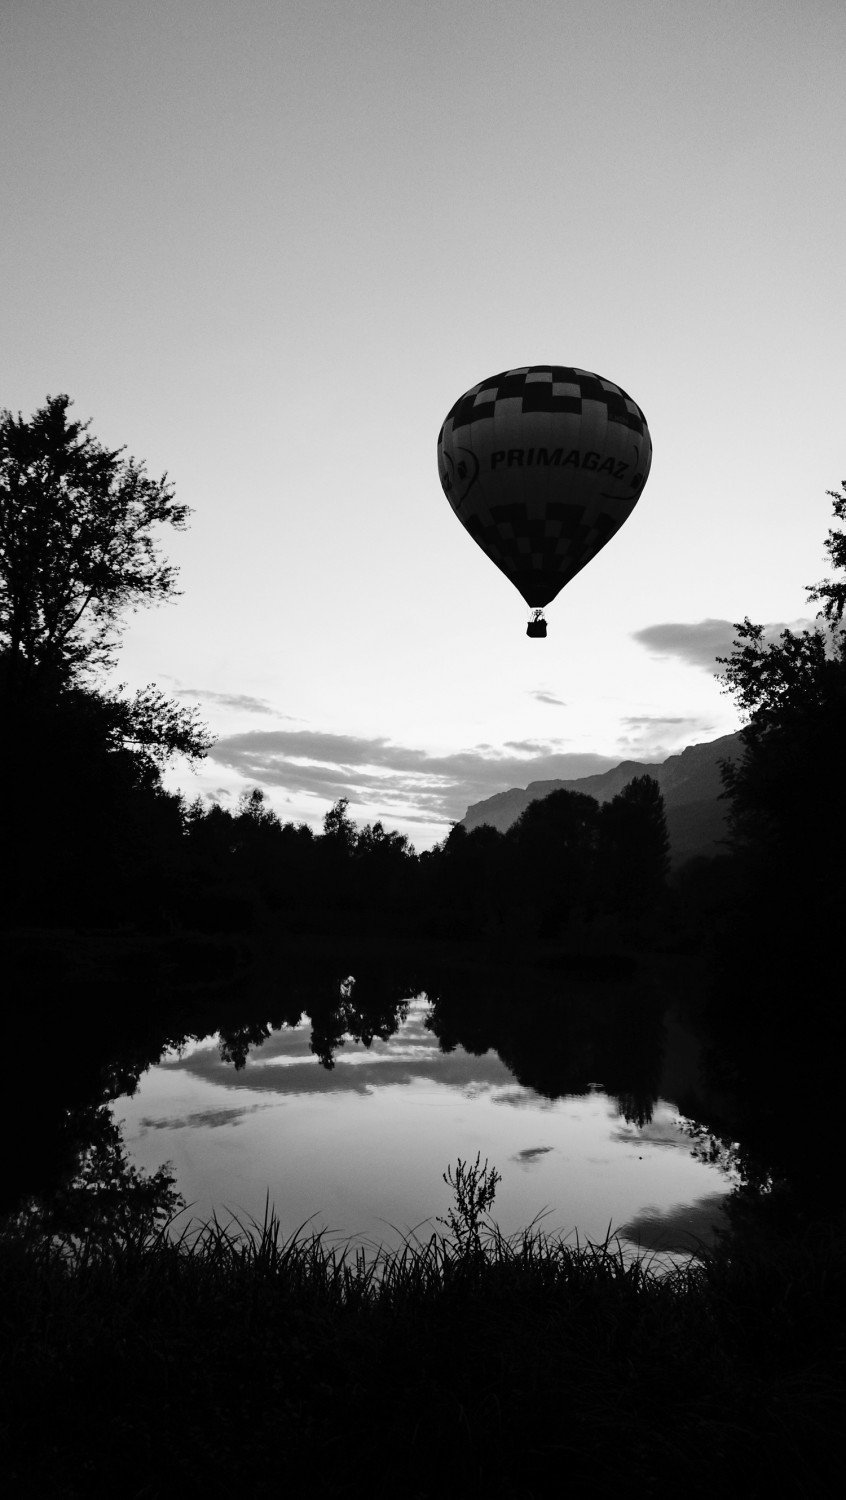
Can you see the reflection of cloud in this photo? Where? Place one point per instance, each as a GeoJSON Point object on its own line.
{"type": "Point", "coordinates": [213, 1118]}
{"type": "Point", "coordinates": [284, 1065]}
{"type": "Point", "coordinates": [519, 1097]}
{"type": "Point", "coordinates": [685, 1228]}
{"type": "Point", "coordinates": [286, 1043]}
{"type": "Point", "coordinates": [700, 642]}
{"type": "Point", "coordinates": [664, 1129]}
{"type": "Point", "coordinates": [438, 787]}
{"type": "Point", "coordinates": [530, 1155]}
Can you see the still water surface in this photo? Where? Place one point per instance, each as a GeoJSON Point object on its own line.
{"type": "Point", "coordinates": [359, 1149]}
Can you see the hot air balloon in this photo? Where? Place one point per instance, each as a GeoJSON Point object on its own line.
{"type": "Point", "coordinates": [542, 465]}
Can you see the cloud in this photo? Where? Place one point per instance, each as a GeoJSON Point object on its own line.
{"type": "Point", "coordinates": [542, 696]}
{"type": "Point", "coordinates": [241, 702]}
{"type": "Point", "coordinates": [430, 788]}
{"type": "Point", "coordinates": [650, 738]}
{"type": "Point", "coordinates": [530, 747]}
{"type": "Point", "coordinates": [699, 643]}
{"type": "Point", "coordinates": [650, 721]}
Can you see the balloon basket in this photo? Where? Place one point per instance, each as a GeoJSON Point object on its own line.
{"type": "Point", "coordinates": [536, 629]}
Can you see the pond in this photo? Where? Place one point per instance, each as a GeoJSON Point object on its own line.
{"type": "Point", "coordinates": [345, 1117]}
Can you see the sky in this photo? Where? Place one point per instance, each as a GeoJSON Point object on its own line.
{"type": "Point", "coordinates": [266, 246]}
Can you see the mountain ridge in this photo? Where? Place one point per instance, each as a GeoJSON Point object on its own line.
{"type": "Point", "coordinates": [690, 784]}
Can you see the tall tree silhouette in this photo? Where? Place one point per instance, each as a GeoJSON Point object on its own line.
{"type": "Point", "coordinates": [778, 999]}
{"type": "Point", "coordinates": [633, 860]}
{"type": "Point", "coordinates": [463, 884]}
{"type": "Point", "coordinates": [77, 543]}
{"type": "Point", "coordinates": [831, 593]}
{"type": "Point", "coordinates": [87, 831]}
{"type": "Point", "coordinates": [787, 805]}
{"type": "Point", "coordinates": [552, 848]}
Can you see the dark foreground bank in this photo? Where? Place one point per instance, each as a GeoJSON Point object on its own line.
{"type": "Point", "coordinates": [470, 1365]}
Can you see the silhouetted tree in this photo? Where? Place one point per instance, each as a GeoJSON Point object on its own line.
{"type": "Point", "coordinates": [786, 798]}
{"type": "Point", "coordinates": [551, 856]}
{"type": "Point", "coordinates": [633, 850]}
{"type": "Point", "coordinates": [384, 871]}
{"type": "Point", "coordinates": [244, 864]}
{"type": "Point", "coordinates": [77, 544]}
{"type": "Point", "coordinates": [339, 830]}
{"type": "Point", "coordinates": [779, 974]}
{"type": "Point", "coordinates": [832, 592]}
{"type": "Point", "coordinates": [253, 811]}
{"type": "Point", "coordinates": [462, 882]}
{"type": "Point", "coordinates": [77, 552]}
{"type": "Point", "coordinates": [88, 834]}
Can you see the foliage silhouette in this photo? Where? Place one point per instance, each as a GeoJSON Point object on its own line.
{"type": "Point", "coordinates": [107, 846]}
{"type": "Point", "coordinates": [77, 544]}
{"type": "Point", "coordinates": [832, 592]}
{"type": "Point", "coordinates": [78, 551]}
{"type": "Point", "coordinates": [633, 856]}
{"type": "Point", "coordinates": [785, 793]}
{"type": "Point", "coordinates": [777, 970]}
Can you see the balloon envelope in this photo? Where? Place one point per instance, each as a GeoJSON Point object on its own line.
{"type": "Point", "coordinates": [542, 465]}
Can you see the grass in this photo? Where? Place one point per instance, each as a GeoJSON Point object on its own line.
{"type": "Point", "coordinates": [244, 1361]}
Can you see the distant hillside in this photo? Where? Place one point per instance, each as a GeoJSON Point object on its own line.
{"type": "Point", "coordinates": [690, 783]}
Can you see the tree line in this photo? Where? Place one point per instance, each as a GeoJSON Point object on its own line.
{"type": "Point", "coordinates": [564, 863]}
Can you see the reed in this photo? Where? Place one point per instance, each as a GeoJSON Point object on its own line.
{"type": "Point", "coordinates": [234, 1357]}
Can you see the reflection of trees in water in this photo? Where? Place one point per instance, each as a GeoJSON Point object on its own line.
{"type": "Point", "coordinates": [559, 1036]}
{"type": "Point", "coordinates": [102, 1197]}
{"type": "Point", "coordinates": [768, 1111]}
{"type": "Point", "coordinates": [559, 1031]}
{"type": "Point", "coordinates": [718, 1151]}
{"type": "Point", "coordinates": [763, 1112]}
{"type": "Point", "coordinates": [366, 1006]}
{"type": "Point", "coordinates": [103, 1020]}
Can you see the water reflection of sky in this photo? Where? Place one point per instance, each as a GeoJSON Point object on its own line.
{"type": "Point", "coordinates": [361, 1148]}
{"type": "Point", "coordinates": [284, 1064]}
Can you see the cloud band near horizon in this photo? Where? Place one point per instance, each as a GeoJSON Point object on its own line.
{"type": "Point", "coordinates": [409, 782]}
